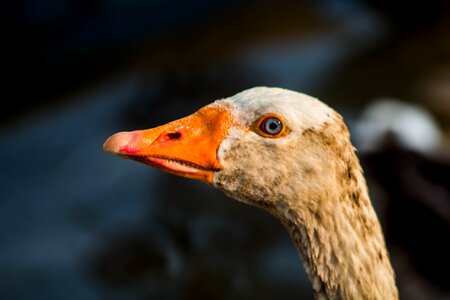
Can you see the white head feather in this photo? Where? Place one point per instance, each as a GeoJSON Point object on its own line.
{"type": "Point", "coordinates": [299, 111]}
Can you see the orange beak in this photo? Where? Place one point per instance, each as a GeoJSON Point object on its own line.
{"type": "Point", "coordinates": [186, 147]}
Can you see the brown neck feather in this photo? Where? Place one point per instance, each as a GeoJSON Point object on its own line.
{"type": "Point", "coordinates": [340, 240]}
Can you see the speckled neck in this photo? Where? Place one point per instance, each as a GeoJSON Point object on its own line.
{"type": "Point", "coordinates": [342, 247]}
{"type": "Point", "coordinates": [319, 193]}
{"type": "Point", "coordinates": [340, 239]}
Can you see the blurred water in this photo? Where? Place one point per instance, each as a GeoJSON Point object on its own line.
{"type": "Point", "coordinates": [59, 191]}
{"type": "Point", "coordinates": [308, 61]}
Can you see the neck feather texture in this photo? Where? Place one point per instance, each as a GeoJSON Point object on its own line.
{"type": "Point", "coordinates": [340, 239]}
{"type": "Point", "coordinates": [343, 250]}
{"type": "Point", "coordinates": [314, 185]}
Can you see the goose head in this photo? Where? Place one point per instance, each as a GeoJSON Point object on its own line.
{"type": "Point", "coordinates": [263, 146]}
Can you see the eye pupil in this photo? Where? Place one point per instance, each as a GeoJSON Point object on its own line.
{"type": "Point", "coordinates": [273, 126]}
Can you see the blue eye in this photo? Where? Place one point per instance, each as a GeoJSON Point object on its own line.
{"type": "Point", "coordinates": [272, 126]}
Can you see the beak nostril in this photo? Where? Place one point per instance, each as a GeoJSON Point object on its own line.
{"type": "Point", "coordinates": [174, 135]}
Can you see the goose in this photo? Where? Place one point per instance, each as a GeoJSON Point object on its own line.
{"type": "Point", "coordinates": [290, 154]}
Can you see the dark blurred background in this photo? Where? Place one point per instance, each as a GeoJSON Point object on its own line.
{"type": "Point", "coordinates": [76, 223]}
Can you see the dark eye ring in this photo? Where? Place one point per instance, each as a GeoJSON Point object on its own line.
{"type": "Point", "coordinates": [272, 126]}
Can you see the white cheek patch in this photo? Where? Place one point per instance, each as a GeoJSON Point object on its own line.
{"type": "Point", "coordinates": [234, 134]}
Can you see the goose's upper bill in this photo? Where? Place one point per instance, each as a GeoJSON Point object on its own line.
{"type": "Point", "coordinates": [290, 154]}
{"type": "Point", "coordinates": [186, 147]}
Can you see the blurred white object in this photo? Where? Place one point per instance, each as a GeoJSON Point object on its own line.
{"type": "Point", "coordinates": [412, 126]}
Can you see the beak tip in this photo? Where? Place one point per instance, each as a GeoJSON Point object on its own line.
{"type": "Point", "coordinates": [115, 143]}
{"type": "Point", "coordinates": [108, 146]}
